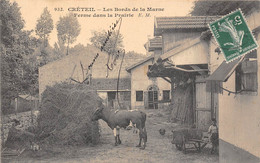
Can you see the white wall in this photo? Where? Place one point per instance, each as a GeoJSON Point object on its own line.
{"type": "Point", "coordinates": [192, 55]}
{"type": "Point", "coordinates": [61, 70]}
{"type": "Point", "coordinates": [239, 115]}
{"type": "Point", "coordinates": [141, 82]}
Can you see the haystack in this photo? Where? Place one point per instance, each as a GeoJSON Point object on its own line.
{"type": "Point", "coordinates": [65, 115]}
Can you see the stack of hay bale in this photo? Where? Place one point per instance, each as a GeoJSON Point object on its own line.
{"type": "Point", "coordinates": [65, 115]}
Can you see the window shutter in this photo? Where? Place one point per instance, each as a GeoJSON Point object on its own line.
{"type": "Point", "coordinates": [249, 82]}
{"type": "Point", "coordinates": [249, 66]}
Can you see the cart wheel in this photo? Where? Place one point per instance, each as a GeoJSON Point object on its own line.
{"type": "Point", "coordinates": [178, 146]}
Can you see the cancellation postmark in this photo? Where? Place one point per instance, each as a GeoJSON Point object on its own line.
{"type": "Point", "coordinates": [233, 36]}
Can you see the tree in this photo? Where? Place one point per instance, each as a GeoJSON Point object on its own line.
{"type": "Point", "coordinates": [11, 22]}
{"type": "Point", "coordinates": [44, 26]}
{"type": "Point", "coordinates": [15, 45]}
{"type": "Point", "coordinates": [78, 49]}
{"type": "Point", "coordinates": [114, 43]}
{"type": "Point", "coordinates": [210, 8]}
{"type": "Point", "coordinates": [11, 25]}
{"type": "Point", "coordinates": [68, 29]}
{"type": "Point", "coordinates": [59, 50]}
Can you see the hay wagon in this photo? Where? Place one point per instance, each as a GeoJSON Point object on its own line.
{"type": "Point", "coordinates": [184, 137]}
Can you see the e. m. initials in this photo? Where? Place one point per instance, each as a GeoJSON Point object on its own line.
{"type": "Point", "coordinates": [144, 15]}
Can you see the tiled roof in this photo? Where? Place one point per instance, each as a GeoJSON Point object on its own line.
{"type": "Point", "coordinates": [128, 69]}
{"type": "Point", "coordinates": [154, 43]}
{"type": "Point", "coordinates": [186, 22]}
{"type": "Point", "coordinates": [99, 68]}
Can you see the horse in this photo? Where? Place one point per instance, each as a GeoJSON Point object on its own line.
{"type": "Point", "coordinates": [122, 119]}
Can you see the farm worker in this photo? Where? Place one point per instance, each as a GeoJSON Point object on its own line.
{"type": "Point", "coordinates": [213, 135]}
{"type": "Point", "coordinates": [116, 134]}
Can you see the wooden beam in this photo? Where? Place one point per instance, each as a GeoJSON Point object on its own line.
{"type": "Point", "coordinates": [183, 69]}
{"type": "Point", "coordinates": [195, 67]}
{"type": "Point", "coordinates": [180, 48]}
{"type": "Point", "coordinates": [166, 79]}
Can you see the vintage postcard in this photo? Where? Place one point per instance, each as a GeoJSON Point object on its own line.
{"type": "Point", "coordinates": [130, 81]}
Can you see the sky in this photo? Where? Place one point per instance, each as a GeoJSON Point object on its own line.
{"type": "Point", "coordinates": [135, 30]}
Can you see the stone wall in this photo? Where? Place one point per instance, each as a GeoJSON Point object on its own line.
{"type": "Point", "coordinates": [26, 120]}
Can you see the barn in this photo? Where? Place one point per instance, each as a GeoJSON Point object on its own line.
{"type": "Point", "coordinates": [73, 68]}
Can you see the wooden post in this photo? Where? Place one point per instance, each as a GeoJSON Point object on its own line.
{"type": "Point", "coordinates": [2, 131]}
{"type": "Point", "coordinates": [172, 90]}
{"type": "Point", "coordinates": [212, 101]}
{"type": "Point", "coordinates": [32, 110]}
{"type": "Point", "coordinates": [194, 101]}
{"type": "Point", "coordinates": [16, 106]}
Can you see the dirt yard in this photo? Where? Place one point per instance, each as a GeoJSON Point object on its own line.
{"type": "Point", "coordinates": [159, 147]}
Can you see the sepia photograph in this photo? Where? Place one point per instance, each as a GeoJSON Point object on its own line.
{"type": "Point", "coordinates": [130, 81]}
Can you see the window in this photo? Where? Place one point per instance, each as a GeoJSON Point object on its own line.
{"type": "Point", "coordinates": [246, 73]}
{"type": "Point", "coordinates": [111, 95]}
{"type": "Point", "coordinates": [139, 95]}
{"type": "Point", "coordinates": [166, 95]}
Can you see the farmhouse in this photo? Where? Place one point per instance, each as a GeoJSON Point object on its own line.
{"type": "Point", "coordinates": [72, 68]}
{"type": "Point", "coordinates": [185, 62]}
{"type": "Point", "coordinates": [228, 92]}
{"type": "Point", "coordinates": [148, 92]}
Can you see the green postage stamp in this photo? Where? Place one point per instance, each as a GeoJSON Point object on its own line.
{"type": "Point", "coordinates": [233, 35]}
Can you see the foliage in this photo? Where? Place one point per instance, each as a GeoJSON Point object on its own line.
{"type": "Point", "coordinates": [11, 22]}
{"type": "Point", "coordinates": [202, 7]}
{"type": "Point", "coordinates": [17, 75]}
{"type": "Point", "coordinates": [113, 45]}
{"type": "Point", "coordinates": [44, 25]}
{"type": "Point", "coordinates": [134, 55]}
{"type": "Point", "coordinates": [78, 49]}
{"type": "Point", "coordinates": [59, 50]}
{"type": "Point", "coordinates": [68, 29]}
{"type": "Point", "coordinates": [42, 55]}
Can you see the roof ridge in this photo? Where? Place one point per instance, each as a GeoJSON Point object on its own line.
{"type": "Point", "coordinates": [182, 22]}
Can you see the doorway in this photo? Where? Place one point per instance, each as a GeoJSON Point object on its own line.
{"type": "Point", "coordinates": [152, 97]}
{"type": "Point", "coordinates": [111, 96]}
{"type": "Point", "coordinates": [206, 106]}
